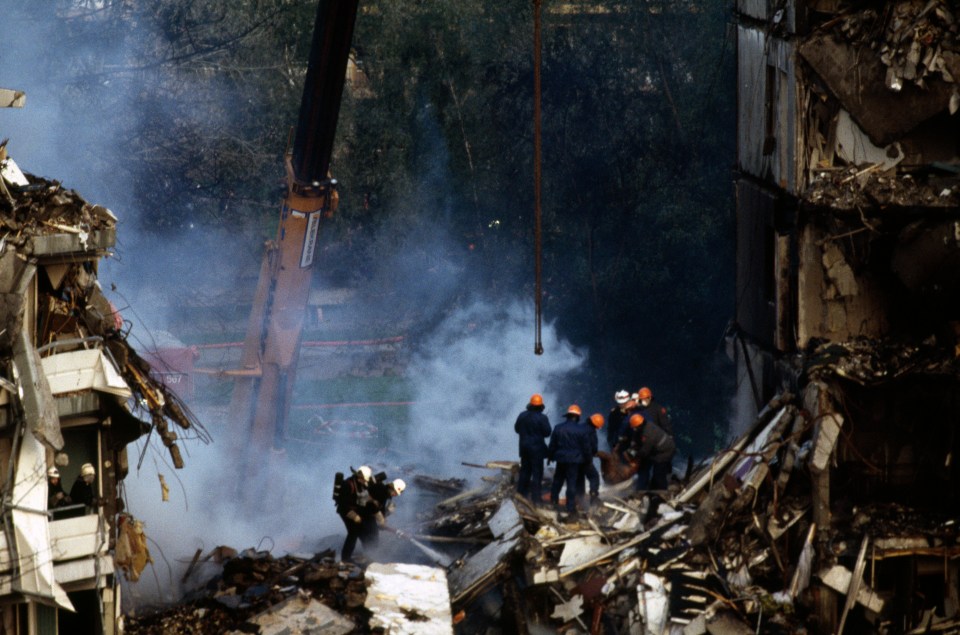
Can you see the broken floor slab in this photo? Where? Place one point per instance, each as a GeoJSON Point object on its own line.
{"type": "Point", "coordinates": [408, 599]}
{"type": "Point", "coordinates": [298, 615]}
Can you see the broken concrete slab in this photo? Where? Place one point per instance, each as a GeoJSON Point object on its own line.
{"type": "Point", "coordinates": [579, 551]}
{"type": "Point", "coordinates": [300, 614]}
{"type": "Point", "coordinates": [12, 98]}
{"type": "Point", "coordinates": [838, 578]}
{"type": "Point", "coordinates": [408, 599]}
{"type": "Point", "coordinates": [483, 566]}
{"type": "Point", "coordinates": [856, 76]}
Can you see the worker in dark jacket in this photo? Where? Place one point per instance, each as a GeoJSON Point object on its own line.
{"type": "Point", "coordinates": [648, 444]}
{"type": "Point", "coordinates": [351, 497]}
{"type": "Point", "coordinates": [652, 411]}
{"type": "Point", "coordinates": [588, 471]}
{"type": "Point", "coordinates": [569, 447]}
{"type": "Point", "coordinates": [82, 490]}
{"type": "Point", "coordinates": [56, 496]}
{"type": "Point", "coordinates": [379, 505]}
{"type": "Point", "coordinates": [618, 416]}
{"type": "Point", "coordinates": [533, 427]}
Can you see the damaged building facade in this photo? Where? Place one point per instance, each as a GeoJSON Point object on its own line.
{"type": "Point", "coordinates": [848, 248]}
{"type": "Point", "coordinates": [73, 394]}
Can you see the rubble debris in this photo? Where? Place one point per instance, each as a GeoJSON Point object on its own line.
{"type": "Point", "coordinates": [253, 589]}
{"type": "Point", "coordinates": [445, 486]}
{"type": "Point", "coordinates": [736, 549]}
{"type": "Point", "coordinates": [298, 614]}
{"type": "Point", "coordinates": [408, 598]}
{"type": "Point", "coordinates": [879, 87]}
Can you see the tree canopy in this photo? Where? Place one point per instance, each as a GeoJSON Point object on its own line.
{"type": "Point", "coordinates": [434, 155]}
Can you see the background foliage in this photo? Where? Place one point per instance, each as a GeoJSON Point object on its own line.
{"type": "Point", "coordinates": [435, 137]}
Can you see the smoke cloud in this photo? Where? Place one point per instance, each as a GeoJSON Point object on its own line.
{"type": "Point", "coordinates": [476, 374]}
{"type": "Point", "coordinates": [471, 368]}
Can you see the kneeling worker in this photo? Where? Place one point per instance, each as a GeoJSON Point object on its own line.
{"type": "Point", "coordinates": [648, 444]}
{"type": "Point", "coordinates": [379, 507]}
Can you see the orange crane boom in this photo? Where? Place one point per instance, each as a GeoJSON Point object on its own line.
{"type": "Point", "coordinates": [262, 390]}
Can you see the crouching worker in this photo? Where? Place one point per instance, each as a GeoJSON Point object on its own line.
{"type": "Point", "coordinates": [378, 507]}
{"type": "Point", "coordinates": [351, 497]}
{"type": "Point", "coordinates": [646, 443]}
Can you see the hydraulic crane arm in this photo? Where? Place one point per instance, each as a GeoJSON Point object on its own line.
{"type": "Point", "coordinates": [263, 387]}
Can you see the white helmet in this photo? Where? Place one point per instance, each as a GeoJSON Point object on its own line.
{"type": "Point", "coordinates": [621, 397]}
{"type": "Point", "coordinates": [87, 470]}
{"type": "Point", "coordinates": [365, 472]}
{"type": "Point", "coordinates": [399, 485]}
{"type": "Point", "coordinates": [53, 472]}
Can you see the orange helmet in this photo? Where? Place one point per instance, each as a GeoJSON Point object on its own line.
{"type": "Point", "coordinates": [536, 400]}
{"type": "Point", "coordinates": [636, 421]}
{"type": "Point", "coordinates": [644, 393]}
{"type": "Point", "coordinates": [597, 420]}
{"type": "Point", "coordinates": [574, 410]}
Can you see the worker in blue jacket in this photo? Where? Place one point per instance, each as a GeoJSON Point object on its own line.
{"type": "Point", "coordinates": [569, 447]}
{"type": "Point", "coordinates": [533, 427]}
{"type": "Point", "coordinates": [588, 470]}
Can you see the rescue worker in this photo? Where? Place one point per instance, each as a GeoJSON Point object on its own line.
{"type": "Point", "coordinates": [351, 499]}
{"type": "Point", "coordinates": [569, 447]}
{"type": "Point", "coordinates": [653, 448]}
{"type": "Point", "coordinates": [378, 506]}
{"type": "Point", "coordinates": [652, 411]}
{"type": "Point", "coordinates": [617, 417]}
{"type": "Point", "coordinates": [533, 427]}
{"type": "Point", "coordinates": [56, 496]}
{"type": "Point", "coordinates": [588, 471]}
{"type": "Point", "coordinates": [82, 490]}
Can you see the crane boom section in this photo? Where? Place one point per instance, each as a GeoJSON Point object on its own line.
{"type": "Point", "coordinates": [323, 89]}
{"type": "Point", "coordinates": [263, 387]}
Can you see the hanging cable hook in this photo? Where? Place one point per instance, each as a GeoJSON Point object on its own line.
{"type": "Point", "coordinates": [537, 236]}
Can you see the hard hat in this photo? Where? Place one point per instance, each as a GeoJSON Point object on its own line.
{"type": "Point", "coordinates": [621, 397]}
{"type": "Point", "coordinates": [399, 485]}
{"type": "Point", "coordinates": [365, 472]}
{"type": "Point", "coordinates": [634, 396]}
{"type": "Point", "coordinates": [645, 393]}
{"type": "Point", "coordinates": [597, 420]}
{"type": "Point", "coordinates": [536, 400]}
{"type": "Point", "coordinates": [53, 472]}
{"type": "Point", "coordinates": [636, 421]}
{"type": "Point", "coordinates": [87, 470]}
{"type": "Point", "coordinates": [574, 410]}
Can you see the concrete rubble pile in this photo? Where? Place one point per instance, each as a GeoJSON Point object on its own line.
{"type": "Point", "coordinates": [882, 92]}
{"type": "Point", "coordinates": [751, 541]}
{"type": "Point", "coordinates": [255, 592]}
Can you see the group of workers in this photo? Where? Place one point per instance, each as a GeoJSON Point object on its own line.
{"type": "Point", "coordinates": [639, 432]}
{"type": "Point", "coordinates": [364, 500]}
{"type": "Point", "coordinates": [82, 492]}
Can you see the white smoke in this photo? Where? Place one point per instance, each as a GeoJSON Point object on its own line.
{"type": "Point", "coordinates": [476, 374]}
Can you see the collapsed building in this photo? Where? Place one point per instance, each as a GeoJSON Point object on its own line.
{"type": "Point", "coordinates": [73, 393]}
{"type": "Point", "coordinates": [835, 508]}
{"type": "Point", "coordinates": [848, 244]}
